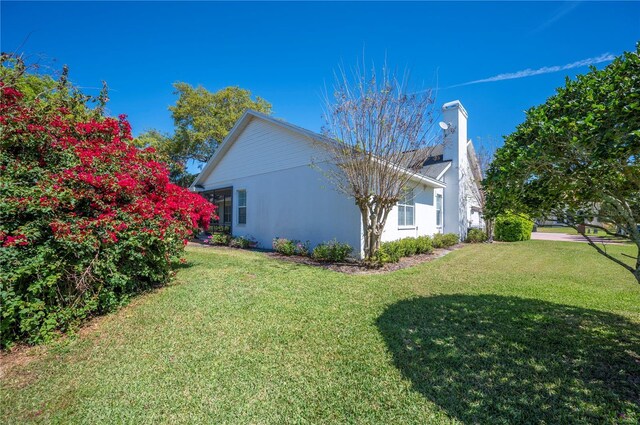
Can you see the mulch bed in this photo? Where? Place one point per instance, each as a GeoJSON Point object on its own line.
{"type": "Point", "coordinates": [348, 267]}
{"type": "Point", "coordinates": [356, 267]}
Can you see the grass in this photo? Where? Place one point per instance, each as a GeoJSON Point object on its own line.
{"type": "Point", "coordinates": [527, 332]}
{"type": "Point", "coordinates": [561, 229]}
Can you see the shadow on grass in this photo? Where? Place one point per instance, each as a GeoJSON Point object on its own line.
{"type": "Point", "coordinates": [176, 265]}
{"type": "Point", "coordinates": [492, 359]}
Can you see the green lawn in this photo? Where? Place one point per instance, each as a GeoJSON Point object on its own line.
{"type": "Point", "coordinates": [561, 229]}
{"type": "Point", "coordinates": [530, 332]}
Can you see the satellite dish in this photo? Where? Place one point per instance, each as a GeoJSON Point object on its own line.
{"type": "Point", "coordinates": [443, 125]}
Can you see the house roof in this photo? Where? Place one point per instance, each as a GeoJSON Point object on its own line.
{"type": "Point", "coordinates": [242, 123]}
{"type": "Point", "coordinates": [437, 170]}
{"type": "Point", "coordinates": [432, 154]}
{"type": "Point", "coordinates": [436, 150]}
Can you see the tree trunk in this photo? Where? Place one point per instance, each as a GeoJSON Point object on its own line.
{"type": "Point", "coordinates": [366, 229]}
{"type": "Point", "coordinates": [372, 234]}
{"type": "Point", "coordinates": [374, 218]}
{"type": "Point", "coordinates": [488, 227]}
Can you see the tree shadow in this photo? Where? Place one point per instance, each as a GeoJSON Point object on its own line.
{"type": "Point", "coordinates": [493, 359]}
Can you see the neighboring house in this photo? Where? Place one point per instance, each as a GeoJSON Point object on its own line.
{"type": "Point", "coordinates": [267, 180]}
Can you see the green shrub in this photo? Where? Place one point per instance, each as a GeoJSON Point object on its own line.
{"type": "Point", "coordinates": [451, 239]}
{"type": "Point", "coordinates": [243, 242]}
{"type": "Point", "coordinates": [290, 246]}
{"type": "Point", "coordinates": [408, 246]}
{"type": "Point", "coordinates": [512, 228]}
{"type": "Point", "coordinates": [445, 240]}
{"type": "Point", "coordinates": [438, 242]}
{"type": "Point", "coordinates": [219, 239]}
{"type": "Point", "coordinates": [425, 245]}
{"type": "Point", "coordinates": [332, 251]}
{"type": "Point", "coordinates": [391, 252]}
{"type": "Point", "coordinates": [301, 248]}
{"type": "Point", "coordinates": [284, 246]}
{"type": "Point", "coordinates": [476, 236]}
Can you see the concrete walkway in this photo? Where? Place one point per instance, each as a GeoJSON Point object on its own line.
{"type": "Point", "coordinates": [563, 237]}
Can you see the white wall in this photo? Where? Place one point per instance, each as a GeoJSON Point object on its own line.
{"type": "Point", "coordinates": [456, 218]}
{"type": "Point", "coordinates": [286, 196]}
{"type": "Point", "coordinates": [425, 217]}
{"type": "Point", "coordinates": [296, 203]}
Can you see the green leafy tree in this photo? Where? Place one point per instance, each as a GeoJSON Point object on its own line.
{"type": "Point", "coordinates": [202, 120]}
{"type": "Point", "coordinates": [577, 157]}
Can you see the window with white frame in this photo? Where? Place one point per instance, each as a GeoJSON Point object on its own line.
{"type": "Point", "coordinates": [439, 210]}
{"type": "Point", "coordinates": [242, 207]}
{"type": "Point", "coordinates": [406, 209]}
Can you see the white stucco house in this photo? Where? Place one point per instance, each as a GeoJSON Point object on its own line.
{"type": "Point", "coordinates": [266, 179]}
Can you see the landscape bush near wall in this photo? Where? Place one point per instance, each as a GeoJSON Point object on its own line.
{"type": "Point", "coordinates": [332, 251]}
{"type": "Point", "coordinates": [391, 252]}
{"type": "Point", "coordinates": [512, 228]}
{"type": "Point", "coordinates": [86, 219]}
{"type": "Point", "coordinates": [476, 236]}
{"type": "Point", "coordinates": [445, 240]}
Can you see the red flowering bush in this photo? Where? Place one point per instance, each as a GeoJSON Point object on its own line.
{"type": "Point", "coordinates": [86, 218]}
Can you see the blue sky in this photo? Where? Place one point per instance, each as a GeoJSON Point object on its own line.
{"type": "Point", "coordinates": [286, 52]}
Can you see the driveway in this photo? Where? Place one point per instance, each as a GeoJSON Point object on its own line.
{"type": "Point", "coordinates": [563, 237]}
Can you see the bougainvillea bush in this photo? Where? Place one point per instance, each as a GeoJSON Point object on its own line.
{"type": "Point", "coordinates": [86, 218]}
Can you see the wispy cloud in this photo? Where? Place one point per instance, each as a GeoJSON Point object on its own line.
{"type": "Point", "coordinates": [606, 57]}
{"type": "Point", "coordinates": [563, 10]}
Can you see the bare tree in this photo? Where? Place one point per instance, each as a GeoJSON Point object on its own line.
{"type": "Point", "coordinates": [381, 136]}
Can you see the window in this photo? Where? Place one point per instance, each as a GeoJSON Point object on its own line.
{"type": "Point", "coordinates": [221, 198]}
{"type": "Point", "coordinates": [439, 210]}
{"type": "Point", "coordinates": [242, 207]}
{"type": "Point", "coordinates": [406, 207]}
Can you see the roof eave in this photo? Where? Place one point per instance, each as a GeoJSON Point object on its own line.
{"type": "Point", "coordinates": [428, 181]}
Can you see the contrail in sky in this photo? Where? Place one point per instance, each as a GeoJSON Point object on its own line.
{"type": "Point", "coordinates": [562, 11]}
{"type": "Point", "coordinates": [606, 57]}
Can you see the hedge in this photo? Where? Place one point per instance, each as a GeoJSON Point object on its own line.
{"type": "Point", "coordinates": [391, 252]}
{"type": "Point", "coordinates": [512, 228]}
